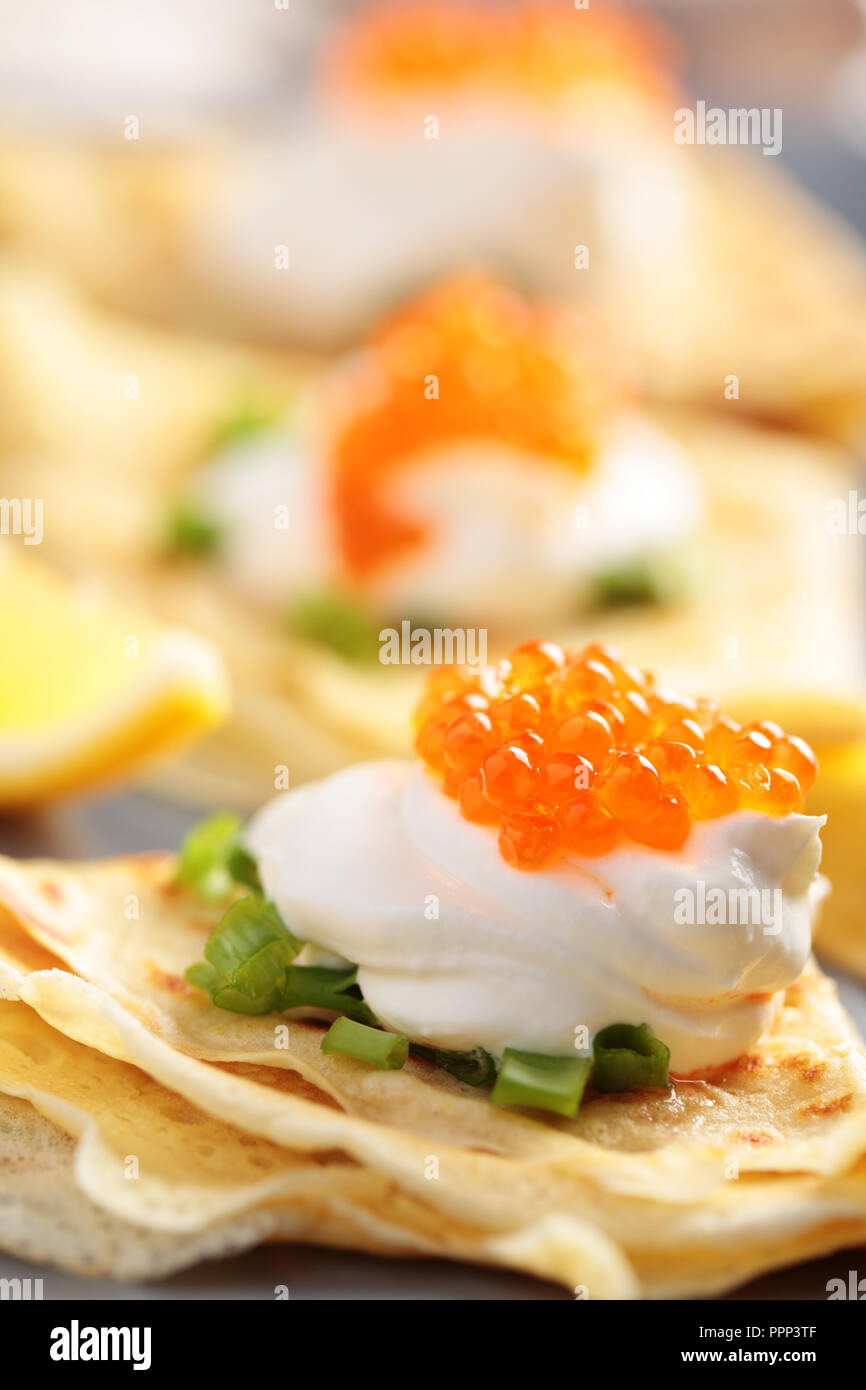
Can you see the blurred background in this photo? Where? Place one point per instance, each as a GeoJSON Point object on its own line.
{"type": "Point", "coordinates": [209, 208]}
{"type": "Point", "coordinates": [195, 65]}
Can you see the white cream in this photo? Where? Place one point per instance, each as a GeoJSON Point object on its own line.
{"type": "Point", "coordinates": [268, 496]}
{"type": "Point", "coordinates": [511, 535]}
{"type": "Point", "coordinates": [457, 949]}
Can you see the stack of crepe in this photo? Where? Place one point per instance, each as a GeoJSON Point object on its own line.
{"type": "Point", "coordinates": [172, 1131]}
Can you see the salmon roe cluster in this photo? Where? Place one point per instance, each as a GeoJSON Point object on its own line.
{"type": "Point", "coordinates": [540, 48]}
{"type": "Point", "coordinates": [575, 752]}
{"type": "Point", "coordinates": [468, 359]}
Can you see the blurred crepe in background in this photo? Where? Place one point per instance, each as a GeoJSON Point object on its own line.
{"type": "Point", "coordinates": [307, 132]}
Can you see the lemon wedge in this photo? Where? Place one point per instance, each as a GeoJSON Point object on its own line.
{"type": "Point", "coordinates": [90, 690]}
{"type": "Point", "coordinates": [840, 794]}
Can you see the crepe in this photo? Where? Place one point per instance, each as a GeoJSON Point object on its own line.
{"type": "Point", "coordinates": [102, 417]}
{"type": "Point", "coordinates": [768, 286]}
{"type": "Point", "coordinates": [46, 1218]}
{"type": "Point", "coordinates": [775, 294]}
{"type": "Point", "coordinates": [663, 1194]}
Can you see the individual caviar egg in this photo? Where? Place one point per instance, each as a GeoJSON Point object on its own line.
{"type": "Point", "coordinates": [685, 731]}
{"type": "Point", "coordinates": [663, 826]}
{"type": "Point", "coordinates": [529, 837]}
{"type": "Point", "coordinates": [710, 793]}
{"type": "Point", "coordinates": [473, 803]}
{"type": "Point", "coordinates": [507, 775]}
{"type": "Point", "coordinates": [637, 721]}
{"type": "Point", "coordinates": [782, 794]}
{"type": "Point", "coordinates": [676, 763]}
{"type": "Point", "coordinates": [467, 738]}
{"type": "Point", "coordinates": [563, 776]}
{"type": "Point", "coordinates": [588, 828]}
{"type": "Point", "coordinates": [517, 714]}
{"type": "Point", "coordinates": [794, 756]}
{"type": "Point", "coordinates": [590, 680]}
{"type": "Point", "coordinates": [587, 734]}
{"type": "Point", "coordinates": [430, 744]}
{"type": "Point", "coordinates": [749, 749]}
{"type": "Point", "coordinates": [533, 661]}
{"type": "Point", "coordinates": [629, 786]}
{"type": "Point", "coordinates": [719, 738]}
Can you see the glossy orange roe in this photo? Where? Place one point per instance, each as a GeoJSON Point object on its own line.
{"type": "Point", "coordinates": [574, 752]}
{"type": "Point", "coordinates": [469, 360]}
{"type": "Point", "coordinates": [540, 50]}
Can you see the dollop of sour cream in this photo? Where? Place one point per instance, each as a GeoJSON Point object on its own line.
{"type": "Point", "coordinates": [509, 535]}
{"type": "Point", "coordinates": [456, 949]}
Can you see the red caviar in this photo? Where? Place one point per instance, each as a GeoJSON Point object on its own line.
{"type": "Point", "coordinates": [468, 360]}
{"type": "Point", "coordinates": [537, 48]}
{"type": "Point", "coordinates": [575, 751]}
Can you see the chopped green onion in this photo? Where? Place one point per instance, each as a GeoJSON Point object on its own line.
{"type": "Point", "coordinates": [335, 622]}
{"type": "Point", "coordinates": [246, 421]}
{"type": "Point", "coordinates": [475, 1068]}
{"type": "Point", "coordinates": [191, 532]}
{"type": "Point", "coordinates": [542, 1082]}
{"type": "Point", "coordinates": [321, 987]}
{"type": "Point", "coordinates": [627, 1056]}
{"type": "Point", "coordinates": [247, 957]}
{"type": "Point", "coordinates": [388, 1051]}
{"type": "Point", "coordinates": [204, 977]}
{"type": "Point", "coordinates": [212, 859]}
{"type": "Point", "coordinates": [649, 579]}
{"type": "Point", "coordinates": [243, 868]}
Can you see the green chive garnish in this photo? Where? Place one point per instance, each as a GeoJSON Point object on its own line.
{"type": "Point", "coordinates": [191, 532]}
{"type": "Point", "coordinates": [247, 957]}
{"type": "Point", "coordinates": [627, 1056]}
{"type": "Point", "coordinates": [544, 1083]}
{"type": "Point", "coordinates": [335, 622]}
{"type": "Point", "coordinates": [653, 578]}
{"type": "Point", "coordinates": [388, 1051]}
{"type": "Point", "coordinates": [204, 977]}
{"type": "Point", "coordinates": [475, 1068]}
{"type": "Point", "coordinates": [212, 859]}
{"type": "Point", "coordinates": [243, 868]}
{"type": "Point", "coordinates": [321, 987]}
{"type": "Point", "coordinates": [244, 422]}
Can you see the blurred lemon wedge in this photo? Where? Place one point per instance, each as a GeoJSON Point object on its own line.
{"type": "Point", "coordinates": [90, 690]}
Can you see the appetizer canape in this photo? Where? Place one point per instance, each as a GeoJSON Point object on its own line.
{"type": "Point", "coordinates": [666, 901]}
{"type": "Point", "coordinates": [479, 461]}
{"type": "Point", "coordinates": [541, 999]}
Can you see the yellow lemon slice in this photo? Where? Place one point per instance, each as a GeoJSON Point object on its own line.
{"type": "Point", "coordinates": [88, 689]}
{"type": "Point", "coordinates": [840, 793]}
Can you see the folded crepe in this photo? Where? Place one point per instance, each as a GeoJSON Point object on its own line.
{"type": "Point", "coordinates": [239, 1138]}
